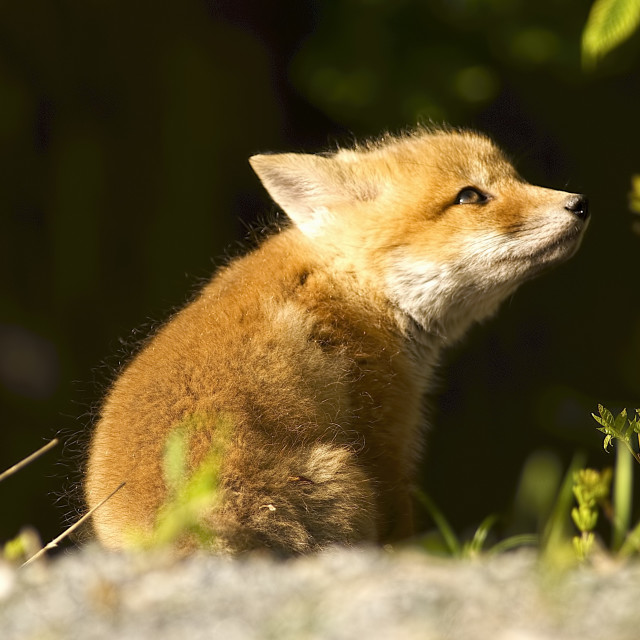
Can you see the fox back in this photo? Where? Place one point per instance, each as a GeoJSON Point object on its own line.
{"type": "Point", "coordinates": [302, 366]}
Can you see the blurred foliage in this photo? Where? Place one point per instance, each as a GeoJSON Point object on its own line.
{"type": "Point", "coordinates": [18, 550]}
{"type": "Point", "coordinates": [590, 488]}
{"type": "Point", "coordinates": [610, 23]}
{"type": "Point", "coordinates": [634, 197]}
{"type": "Point", "coordinates": [634, 201]}
{"type": "Point", "coordinates": [193, 489]}
{"type": "Point", "coordinates": [430, 60]}
{"type": "Point", "coordinates": [124, 134]}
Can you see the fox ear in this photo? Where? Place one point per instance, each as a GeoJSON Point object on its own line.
{"type": "Point", "coordinates": [306, 186]}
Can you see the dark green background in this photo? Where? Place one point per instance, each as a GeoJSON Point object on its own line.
{"type": "Point", "coordinates": [125, 129]}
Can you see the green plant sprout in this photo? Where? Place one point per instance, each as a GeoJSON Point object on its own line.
{"type": "Point", "coordinates": [621, 427]}
{"type": "Point", "coordinates": [626, 431]}
{"type": "Point", "coordinates": [591, 489]}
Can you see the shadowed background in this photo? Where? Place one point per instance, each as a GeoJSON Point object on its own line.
{"type": "Point", "coordinates": [125, 129]}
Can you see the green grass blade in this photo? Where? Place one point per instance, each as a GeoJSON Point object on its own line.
{"type": "Point", "coordinates": [556, 531]}
{"type": "Point", "coordinates": [449, 537]}
{"type": "Point", "coordinates": [474, 546]}
{"type": "Point", "coordinates": [513, 542]}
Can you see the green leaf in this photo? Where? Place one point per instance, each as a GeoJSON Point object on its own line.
{"type": "Point", "coordinates": [609, 24]}
{"type": "Point", "coordinates": [599, 420]}
{"type": "Point", "coordinates": [628, 430]}
{"type": "Point", "coordinates": [635, 423]}
{"type": "Point", "coordinates": [607, 416]}
{"type": "Point", "coordinates": [584, 518]}
{"type": "Point", "coordinates": [609, 431]}
{"type": "Point", "coordinates": [620, 421]}
{"type": "Point", "coordinates": [575, 516]}
{"type": "Point", "coordinates": [611, 427]}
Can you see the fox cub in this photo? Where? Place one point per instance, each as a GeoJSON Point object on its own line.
{"type": "Point", "coordinates": [316, 349]}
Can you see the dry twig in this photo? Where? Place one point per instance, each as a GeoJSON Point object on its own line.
{"type": "Point", "coordinates": [54, 543]}
{"type": "Point", "coordinates": [23, 463]}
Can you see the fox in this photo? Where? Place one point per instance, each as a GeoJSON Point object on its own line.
{"type": "Point", "coordinates": [305, 363]}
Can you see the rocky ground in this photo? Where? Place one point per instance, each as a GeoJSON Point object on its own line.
{"type": "Point", "coordinates": [365, 594]}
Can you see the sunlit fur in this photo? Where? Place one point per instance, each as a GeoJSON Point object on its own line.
{"type": "Point", "coordinates": [320, 344]}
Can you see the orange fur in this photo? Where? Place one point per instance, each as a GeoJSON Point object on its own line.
{"type": "Point", "coordinates": [320, 344]}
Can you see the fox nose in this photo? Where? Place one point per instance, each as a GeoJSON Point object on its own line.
{"type": "Point", "coordinates": [578, 205]}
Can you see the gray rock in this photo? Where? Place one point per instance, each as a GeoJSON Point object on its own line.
{"type": "Point", "coordinates": [338, 595]}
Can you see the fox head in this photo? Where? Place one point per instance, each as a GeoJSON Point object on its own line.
{"type": "Point", "coordinates": [437, 221]}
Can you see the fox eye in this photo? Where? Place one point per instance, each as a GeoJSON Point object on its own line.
{"type": "Point", "coordinates": [470, 195]}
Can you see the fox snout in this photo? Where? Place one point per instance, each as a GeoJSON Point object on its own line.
{"type": "Point", "coordinates": [578, 204]}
